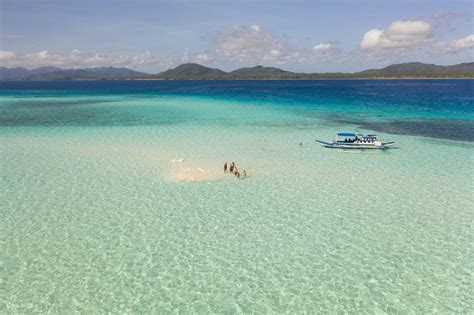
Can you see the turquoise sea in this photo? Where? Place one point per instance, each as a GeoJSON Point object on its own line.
{"type": "Point", "coordinates": [113, 197]}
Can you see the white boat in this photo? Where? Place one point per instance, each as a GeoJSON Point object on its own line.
{"type": "Point", "coordinates": [346, 140]}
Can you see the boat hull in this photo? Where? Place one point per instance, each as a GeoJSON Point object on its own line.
{"type": "Point", "coordinates": [356, 146]}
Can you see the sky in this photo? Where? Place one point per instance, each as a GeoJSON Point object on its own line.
{"type": "Point", "coordinates": [306, 36]}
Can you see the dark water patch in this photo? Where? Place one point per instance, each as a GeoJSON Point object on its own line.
{"type": "Point", "coordinates": [329, 117]}
{"type": "Point", "coordinates": [85, 121]}
{"type": "Point", "coordinates": [88, 116]}
{"type": "Point", "coordinates": [456, 144]}
{"type": "Point", "coordinates": [442, 97]}
{"type": "Point", "coordinates": [292, 125]}
{"type": "Point", "coordinates": [358, 101]}
{"type": "Point", "coordinates": [450, 129]}
{"type": "Point", "coordinates": [41, 104]}
{"type": "Point", "coordinates": [263, 124]}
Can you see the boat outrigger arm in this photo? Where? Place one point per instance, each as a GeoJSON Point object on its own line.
{"type": "Point", "coordinates": [356, 141]}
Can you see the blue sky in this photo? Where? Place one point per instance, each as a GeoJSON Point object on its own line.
{"type": "Point", "coordinates": [310, 36]}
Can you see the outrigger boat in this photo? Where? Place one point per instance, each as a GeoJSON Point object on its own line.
{"type": "Point", "coordinates": [356, 141]}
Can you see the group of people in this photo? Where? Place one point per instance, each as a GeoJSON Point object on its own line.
{"type": "Point", "coordinates": [233, 169]}
{"type": "Point", "coordinates": [351, 140]}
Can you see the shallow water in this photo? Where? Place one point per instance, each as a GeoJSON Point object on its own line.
{"type": "Point", "coordinates": [114, 199]}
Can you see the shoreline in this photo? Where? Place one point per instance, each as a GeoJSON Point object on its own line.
{"type": "Point", "coordinates": [258, 79]}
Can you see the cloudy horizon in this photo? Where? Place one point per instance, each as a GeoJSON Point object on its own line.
{"type": "Point", "coordinates": [296, 36]}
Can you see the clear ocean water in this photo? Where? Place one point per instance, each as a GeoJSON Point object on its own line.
{"type": "Point", "coordinates": [113, 197]}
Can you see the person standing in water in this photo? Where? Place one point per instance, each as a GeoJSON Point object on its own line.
{"type": "Point", "coordinates": [244, 173]}
{"type": "Point", "coordinates": [225, 167]}
{"type": "Point", "coordinates": [232, 165]}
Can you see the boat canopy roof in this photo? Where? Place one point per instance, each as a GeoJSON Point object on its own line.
{"type": "Point", "coordinates": [351, 134]}
{"type": "Point", "coordinates": [345, 134]}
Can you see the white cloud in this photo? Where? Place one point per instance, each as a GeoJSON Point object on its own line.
{"type": "Point", "coordinates": [256, 28]}
{"type": "Point", "coordinates": [275, 52]}
{"type": "Point", "coordinates": [204, 57]}
{"type": "Point", "coordinates": [400, 41]}
{"type": "Point", "coordinates": [79, 59]}
{"type": "Point", "coordinates": [75, 58]}
{"type": "Point", "coordinates": [143, 59]}
{"type": "Point", "coordinates": [251, 45]}
{"type": "Point", "coordinates": [400, 35]}
{"type": "Point", "coordinates": [244, 42]}
{"type": "Point", "coordinates": [457, 45]}
{"type": "Point", "coordinates": [405, 34]}
{"type": "Point", "coordinates": [372, 39]}
{"type": "Point", "coordinates": [40, 55]}
{"type": "Point", "coordinates": [323, 49]}
{"type": "Point", "coordinates": [185, 56]}
{"type": "Point", "coordinates": [466, 42]}
{"type": "Point", "coordinates": [5, 54]}
{"type": "Point", "coordinates": [416, 40]}
{"type": "Point", "coordinates": [329, 52]}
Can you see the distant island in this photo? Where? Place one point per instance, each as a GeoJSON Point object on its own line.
{"type": "Point", "coordinates": [193, 71]}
